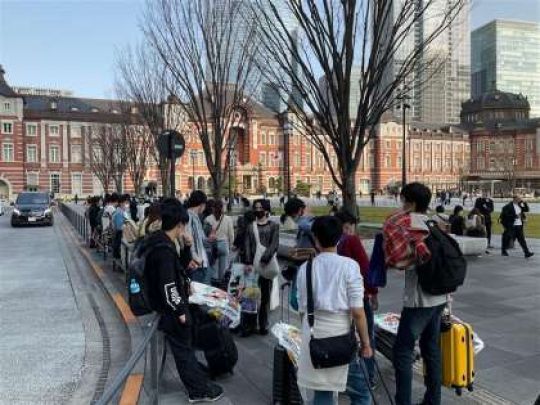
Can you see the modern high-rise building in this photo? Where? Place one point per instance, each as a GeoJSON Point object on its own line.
{"type": "Point", "coordinates": [441, 81]}
{"type": "Point", "coordinates": [506, 56]}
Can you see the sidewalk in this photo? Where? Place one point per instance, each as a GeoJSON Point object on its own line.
{"type": "Point", "coordinates": [42, 343]}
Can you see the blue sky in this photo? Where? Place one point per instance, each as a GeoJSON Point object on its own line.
{"type": "Point", "coordinates": [70, 44]}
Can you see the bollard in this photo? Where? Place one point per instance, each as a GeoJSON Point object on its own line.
{"type": "Point", "coordinates": [154, 377]}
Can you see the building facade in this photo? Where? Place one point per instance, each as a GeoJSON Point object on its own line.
{"type": "Point", "coordinates": [441, 81]}
{"type": "Point", "coordinates": [505, 142]}
{"type": "Point", "coordinates": [47, 141]}
{"type": "Point", "coordinates": [506, 56]}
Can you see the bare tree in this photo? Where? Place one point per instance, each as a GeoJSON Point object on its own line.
{"type": "Point", "coordinates": [142, 81]}
{"type": "Point", "coordinates": [108, 156]}
{"type": "Point", "coordinates": [304, 39]}
{"type": "Point", "coordinates": [208, 51]}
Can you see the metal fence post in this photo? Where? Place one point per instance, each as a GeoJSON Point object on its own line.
{"type": "Point", "coordinates": [154, 370]}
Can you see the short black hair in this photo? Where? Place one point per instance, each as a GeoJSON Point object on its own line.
{"type": "Point", "coordinates": [172, 214]}
{"type": "Point", "coordinates": [265, 204]}
{"type": "Point", "coordinates": [114, 198]}
{"type": "Point", "coordinates": [328, 230]}
{"type": "Point", "coordinates": [457, 209]}
{"type": "Point", "coordinates": [439, 209]}
{"type": "Point", "coordinates": [196, 198]}
{"type": "Point", "coordinates": [417, 193]}
{"type": "Point", "coordinates": [346, 217]}
{"type": "Point", "coordinates": [124, 198]}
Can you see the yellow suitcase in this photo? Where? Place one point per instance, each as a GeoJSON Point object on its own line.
{"type": "Point", "coordinates": [457, 355]}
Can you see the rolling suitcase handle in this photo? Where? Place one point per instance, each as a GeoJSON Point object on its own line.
{"type": "Point", "coordinates": [282, 288]}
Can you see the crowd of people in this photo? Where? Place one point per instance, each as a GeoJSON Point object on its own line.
{"type": "Point", "coordinates": [197, 241]}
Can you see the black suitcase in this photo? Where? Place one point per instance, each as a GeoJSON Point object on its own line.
{"type": "Point", "coordinates": [284, 386]}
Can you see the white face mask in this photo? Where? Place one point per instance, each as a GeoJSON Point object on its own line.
{"type": "Point", "coordinates": [126, 206]}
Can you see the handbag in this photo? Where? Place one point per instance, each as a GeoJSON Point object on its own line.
{"type": "Point", "coordinates": [269, 270]}
{"type": "Point", "coordinates": [331, 351]}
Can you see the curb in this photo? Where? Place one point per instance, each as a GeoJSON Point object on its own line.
{"type": "Point", "coordinates": [133, 385]}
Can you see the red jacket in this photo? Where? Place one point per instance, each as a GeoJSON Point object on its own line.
{"type": "Point", "coordinates": [351, 246]}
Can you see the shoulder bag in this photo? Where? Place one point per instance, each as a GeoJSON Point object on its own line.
{"type": "Point", "coordinates": [328, 352]}
{"type": "Point", "coordinates": [269, 270]}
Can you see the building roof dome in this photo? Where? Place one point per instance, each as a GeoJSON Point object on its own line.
{"type": "Point", "coordinates": [496, 99]}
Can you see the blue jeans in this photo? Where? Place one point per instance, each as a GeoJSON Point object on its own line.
{"type": "Point", "coordinates": [370, 319]}
{"type": "Point", "coordinates": [423, 323]}
{"type": "Point", "coordinates": [323, 398]}
{"type": "Point", "coordinates": [357, 385]}
{"type": "Point", "coordinates": [221, 260]}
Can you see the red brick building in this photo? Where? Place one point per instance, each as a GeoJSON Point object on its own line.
{"type": "Point", "coordinates": [46, 141]}
{"type": "Point", "coordinates": [505, 142]}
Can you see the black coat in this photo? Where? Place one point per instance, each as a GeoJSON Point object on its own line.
{"type": "Point", "coordinates": [485, 206]}
{"type": "Point", "coordinates": [508, 214]}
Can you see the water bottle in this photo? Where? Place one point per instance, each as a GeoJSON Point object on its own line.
{"type": "Point", "coordinates": [134, 287]}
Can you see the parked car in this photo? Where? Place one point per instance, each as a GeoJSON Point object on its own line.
{"type": "Point", "coordinates": [32, 208]}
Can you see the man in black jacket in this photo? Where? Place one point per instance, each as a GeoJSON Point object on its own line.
{"type": "Point", "coordinates": [168, 289]}
{"type": "Point", "coordinates": [512, 219]}
{"type": "Point", "coordinates": [485, 205]}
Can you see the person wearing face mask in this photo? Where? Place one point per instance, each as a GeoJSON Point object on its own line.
{"type": "Point", "coordinates": [457, 221]}
{"type": "Point", "coordinates": [168, 287]}
{"type": "Point", "coordinates": [350, 245]}
{"type": "Point", "coordinates": [198, 267]}
{"type": "Point", "coordinates": [120, 216]}
{"type": "Point", "coordinates": [293, 210]}
{"type": "Point", "coordinates": [404, 246]}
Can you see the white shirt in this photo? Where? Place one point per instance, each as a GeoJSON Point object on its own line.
{"type": "Point", "coordinates": [224, 230]}
{"type": "Point", "coordinates": [337, 284]}
{"type": "Point", "coordinates": [517, 221]}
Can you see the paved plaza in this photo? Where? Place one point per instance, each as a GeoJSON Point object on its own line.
{"type": "Point", "coordinates": [49, 355]}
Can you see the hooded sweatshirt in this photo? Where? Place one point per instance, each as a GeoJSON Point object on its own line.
{"type": "Point", "coordinates": [168, 284]}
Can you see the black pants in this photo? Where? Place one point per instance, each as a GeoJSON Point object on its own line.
{"type": "Point", "coordinates": [179, 339]}
{"type": "Point", "coordinates": [488, 231]}
{"type": "Point", "coordinates": [117, 244]}
{"type": "Point", "coordinates": [249, 321]}
{"type": "Point", "coordinates": [514, 232]}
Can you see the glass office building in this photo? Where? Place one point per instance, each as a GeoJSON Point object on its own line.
{"type": "Point", "coordinates": [505, 55]}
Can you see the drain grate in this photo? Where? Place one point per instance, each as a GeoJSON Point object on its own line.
{"type": "Point", "coordinates": [106, 344]}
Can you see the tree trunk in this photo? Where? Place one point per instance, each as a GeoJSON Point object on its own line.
{"type": "Point", "coordinates": [349, 192]}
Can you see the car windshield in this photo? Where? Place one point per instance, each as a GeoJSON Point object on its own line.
{"type": "Point", "coordinates": [33, 199]}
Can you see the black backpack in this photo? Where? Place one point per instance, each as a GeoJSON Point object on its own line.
{"type": "Point", "coordinates": [138, 296]}
{"type": "Point", "coordinates": [215, 340]}
{"type": "Point", "coordinates": [446, 269]}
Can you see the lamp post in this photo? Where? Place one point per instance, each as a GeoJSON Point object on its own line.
{"type": "Point", "coordinates": [287, 132]}
{"type": "Point", "coordinates": [403, 98]}
{"type": "Point", "coordinates": [231, 162]}
{"type": "Point", "coordinates": [193, 155]}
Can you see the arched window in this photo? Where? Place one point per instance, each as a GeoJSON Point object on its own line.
{"type": "Point", "coordinates": [190, 182]}
{"type": "Point", "coordinates": [209, 183]}
{"type": "Point", "coordinates": [271, 183]}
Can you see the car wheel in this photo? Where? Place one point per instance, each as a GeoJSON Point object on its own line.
{"type": "Point", "coordinates": [13, 225]}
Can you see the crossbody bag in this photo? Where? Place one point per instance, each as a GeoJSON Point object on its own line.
{"type": "Point", "coordinates": [332, 351]}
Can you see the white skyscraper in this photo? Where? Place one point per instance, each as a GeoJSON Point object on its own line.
{"type": "Point", "coordinates": [438, 90]}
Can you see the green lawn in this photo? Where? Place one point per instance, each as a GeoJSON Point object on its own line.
{"type": "Point", "coordinates": [377, 215]}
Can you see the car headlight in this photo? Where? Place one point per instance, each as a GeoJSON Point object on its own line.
{"type": "Point", "coordinates": [16, 211]}
{"type": "Point", "coordinates": [47, 211]}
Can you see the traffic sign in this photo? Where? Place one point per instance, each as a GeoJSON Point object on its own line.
{"type": "Point", "coordinates": [171, 138]}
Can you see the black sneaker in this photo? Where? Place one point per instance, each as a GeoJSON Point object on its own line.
{"type": "Point", "coordinates": [529, 254]}
{"type": "Point", "coordinates": [214, 393]}
{"type": "Point", "coordinates": [505, 253]}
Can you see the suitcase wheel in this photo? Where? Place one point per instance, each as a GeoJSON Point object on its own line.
{"type": "Point", "coordinates": [470, 388]}
{"type": "Point", "coordinates": [459, 391]}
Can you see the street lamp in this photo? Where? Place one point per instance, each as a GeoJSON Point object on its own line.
{"type": "Point", "coordinates": [403, 98]}
{"type": "Point", "coordinates": [287, 132]}
{"type": "Point", "coordinates": [193, 155]}
{"type": "Point", "coordinates": [231, 162]}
